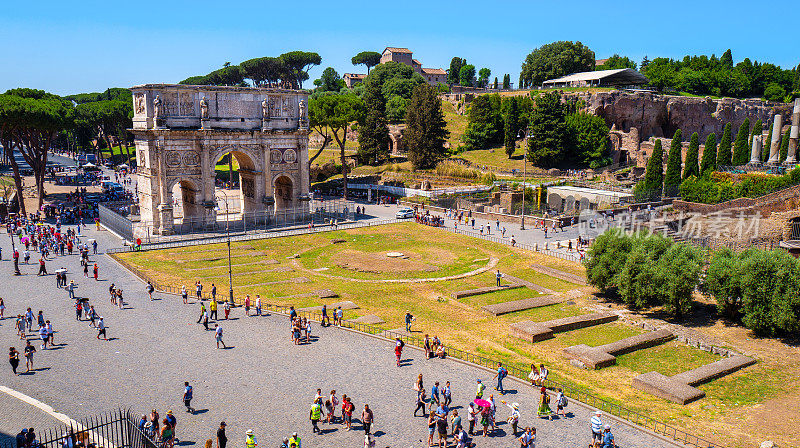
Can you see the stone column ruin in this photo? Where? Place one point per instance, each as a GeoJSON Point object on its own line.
{"type": "Point", "coordinates": [794, 136]}
{"type": "Point", "coordinates": [755, 154]}
{"type": "Point", "coordinates": [775, 144]}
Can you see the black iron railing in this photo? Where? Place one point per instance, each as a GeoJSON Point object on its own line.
{"type": "Point", "coordinates": [572, 391]}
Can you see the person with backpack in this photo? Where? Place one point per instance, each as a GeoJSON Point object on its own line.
{"type": "Point", "coordinates": [544, 405]}
{"type": "Point", "coordinates": [150, 290]}
{"type": "Point", "coordinates": [398, 349]}
{"type": "Point", "coordinates": [500, 375]}
{"type": "Point", "coordinates": [561, 402]}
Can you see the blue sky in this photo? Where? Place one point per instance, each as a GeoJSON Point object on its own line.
{"type": "Point", "coordinates": [80, 46]}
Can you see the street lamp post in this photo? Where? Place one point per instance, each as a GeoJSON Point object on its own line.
{"type": "Point", "coordinates": [524, 178]}
{"type": "Point", "coordinates": [228, 233]}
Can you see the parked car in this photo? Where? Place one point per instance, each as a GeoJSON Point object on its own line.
{"type": "Point", "coordinates": [404, 213]}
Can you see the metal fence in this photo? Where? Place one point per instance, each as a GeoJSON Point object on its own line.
{"type": "Point", "coordinates": [573, 391]}
{"type": "Point", "coordinates": [111, 217]}
{"type": "Point", "coordinates": [520, 373]}
{"type": "Point", "coordinates": [318, 212]}
{"type": "Point", "coordinates": [115, 429]}
{"type": "Point", "coordinates": [216, 239]}
{"type": "Point", "coordinates": [508, 242]}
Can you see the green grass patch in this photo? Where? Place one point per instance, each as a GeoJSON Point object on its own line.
{"type": "Point", "coordinates": [595, 336]}
{"type": "Point", "coordinates": [667, 359]}
{"type": "Point", "coordinates": [545, 313]}
{"type": "Point", "coordinates": [499, 297]}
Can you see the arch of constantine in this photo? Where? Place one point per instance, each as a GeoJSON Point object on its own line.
{"type": "Point", "coordinates": [182, 131]}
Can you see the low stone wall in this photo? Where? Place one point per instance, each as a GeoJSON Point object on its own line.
{"type": "Point", "coordinates": [485, 290]}
{"type": "Point", "coordinates": [606, 355]}
{"type": "Point", "coordinates": [539, 331]}
{"type": "Point", "coordinates": [681, 388]}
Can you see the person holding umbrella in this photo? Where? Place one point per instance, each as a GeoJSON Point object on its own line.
{"type": "Point", "coordinates": [485, 409]}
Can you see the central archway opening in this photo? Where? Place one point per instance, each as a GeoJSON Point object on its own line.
{"type": "Point", "coordinates": [235, 187]}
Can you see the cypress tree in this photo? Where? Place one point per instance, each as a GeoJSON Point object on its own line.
{"type": "Point", "coordinates": [785, 145]}
{"type": "Point", "coordinates": [766, 147]}
{"type": "Point", "coordinates": [506, 81]}
{"type": "Point", "coordinates": [709, 162]}
{"type": "Point", "coordinates": [724, 152]}
{"type": "Point", "coordinates": [692, 155]}
{"type": "Point", "coordinates": [373, 134]}
{"type": "Point", "coordinates": [510, 127]}
{"type": "Point", "coordinates": [426, 130]}
{"type": "Point", "coordinates": [672, 179]}
{"type": "Point", "coordinates": [758, 128]}
{"type": "Point", "coordinates": [654, 174]}
{"type": "Point", "coordinates": [740, 147]}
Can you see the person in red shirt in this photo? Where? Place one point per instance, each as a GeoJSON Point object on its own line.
{"type": "Point", "coordinates": [398, 349]}
{"type": "Point", "coordinates": [95, 271]}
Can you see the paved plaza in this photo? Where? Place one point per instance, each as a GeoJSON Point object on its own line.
{"type": "Point", "coordinates": [262, 382]}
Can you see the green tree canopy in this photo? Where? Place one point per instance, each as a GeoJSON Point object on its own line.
{"type": "Point", "coordinates": [741, 155]}
{"type": "Point", "coordinates": [483, 76]}
{"type": "Point", "coordinates": [373, 132]}
{"type": "Point", "coordinates": [426, 129]}
{"type": "Point", "coordinates": [485, 123]}
{"type": "Point", "coordinates": [709, 162]}
{"type": "Point", "coordinates": [650, 188]}
{"type": "Point", "coordinates": [299, 63]}
{"type": "Point", "coordinates": [510, 127]}
{"type": "Point", "coordinates": [466, 75]}
{"type": "Point", "coordinates": [329, 81]}
{"type": "Point", "coordinates": [554, 60]}
{"type": "Point", "coordinates": [616, 62]}
{"type": "Point", "coordinates": [336, 113]}
{"type": "Point", "coordinates": [368, 58]}
{"type": "Point", "coordinates": [455, 70]}
{"type": "Point", "coordinates": [691, 167]}
{"type": "Point", "coordinates": [672, 178]}
{"type": "Point", "coordinates": [548, 131]}
{"type": "Point", "coordinates": [588, 144]}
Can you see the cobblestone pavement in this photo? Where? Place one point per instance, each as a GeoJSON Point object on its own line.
{"type": "Point", "coordinates": [261, 382]}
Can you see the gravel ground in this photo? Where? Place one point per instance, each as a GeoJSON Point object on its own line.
{"type": "Point", "coordinates": [261, 382]}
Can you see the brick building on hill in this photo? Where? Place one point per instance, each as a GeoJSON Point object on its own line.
{"type": "Point", "coordinates": [432, 76]}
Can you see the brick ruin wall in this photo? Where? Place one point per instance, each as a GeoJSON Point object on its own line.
{"type": "Point", "coordinates": [638, 119]}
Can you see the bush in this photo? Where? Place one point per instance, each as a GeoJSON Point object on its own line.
{"type": "Point", "coordinates": [719, 187]}
{"type": "Point", "coordinates": [639, 274]}
{"type": "Point", "coordinates": [645, 270]}
{"type": "Point", "coordinates": [607, 257]}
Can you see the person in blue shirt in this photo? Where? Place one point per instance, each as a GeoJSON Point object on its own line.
{"type": "Point", "coordinates": [501, 373]}
{"type": "Point", "coordinates": [608, 438]}
{"type": "Point", "coordinates": [434, 396]}
{"type": "Point", "coordinates": [188, 394]}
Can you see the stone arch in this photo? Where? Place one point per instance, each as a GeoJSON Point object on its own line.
{"type": "Point", "coordinates": [188, 201]}
{"type": "Point", "coordinates": [251, 176]}
{"type": "Point", "coordinates": [569, 204]}
{"type": "Point", "coordinates": [284, 188]}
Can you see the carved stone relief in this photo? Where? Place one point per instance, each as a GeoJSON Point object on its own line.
{"type": "Point", "coordinates": [248, 188]}
{"type": "Point", "coordinates": [191, 158]}
{"type": "Point", "coordinates": [173, 159]}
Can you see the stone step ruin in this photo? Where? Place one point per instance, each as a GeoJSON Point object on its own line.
{"type": "Point", "coordinates": [606, 355]}
{"type": "Point", "coordinates": [539, 331]}
{"type": "Point", "coordinates": [681, 388]}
